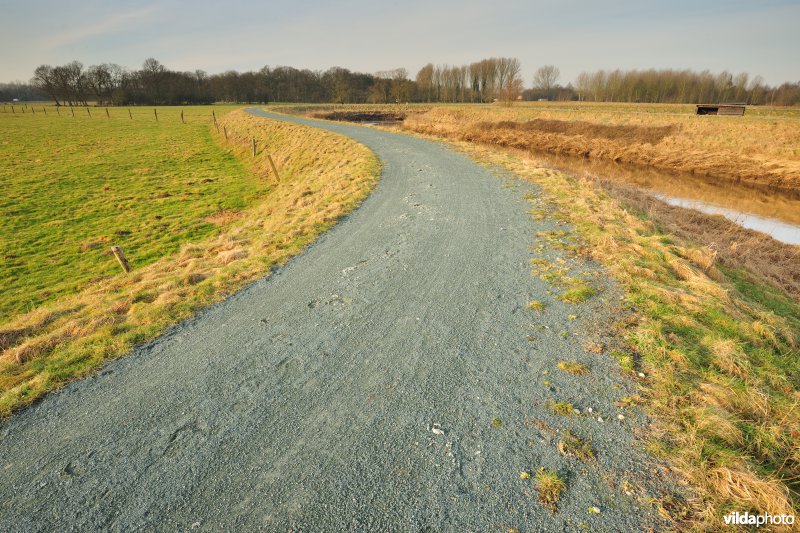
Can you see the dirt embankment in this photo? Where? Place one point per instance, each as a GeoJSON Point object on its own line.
{"type": "Point", "coordinates": [618, 133]}
{"type": "Point", "coordinates": [361, 116]}
{"type": "Point", "coordinates": [743, 152]}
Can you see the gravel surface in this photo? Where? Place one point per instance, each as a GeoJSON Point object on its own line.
{"type": "Point", "coordinates": [390, 378]}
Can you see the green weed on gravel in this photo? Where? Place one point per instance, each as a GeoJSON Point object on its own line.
{"type": "Point", "coordinates": [550, 486]}
{"type": "Point", "coordinates": [561, 408]}
{"type": "Point", "coordinates": [573, 367]}
{"type": "Point", "coordinates": [571, 445]}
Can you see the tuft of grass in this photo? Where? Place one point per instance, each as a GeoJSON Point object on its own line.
{"type": "Point", "coordinates": [578, 293]}
{"type": "Point", "coordinates": [496, 422]}
{"type": "Point", "coordinates": [573, 446]}
{"type": "Point", "coordinates": [573, 367]}
{"type": "Point", "coordinates": [561, 408]}
{"type": "Point", "coordinates": [550, 487]}
{"type": "Point", "coordinates": [625, 360]}
{"type": "Point", "coordinates": [145, 184]}
{"type": "Point", "coordinates": [536, 305]}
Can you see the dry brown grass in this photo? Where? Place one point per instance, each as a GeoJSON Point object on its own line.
{"type": "Point", "coordinates": [623, 133]}
{"type": "Point", "coordinates": [751, 149]}
{"type": "Point", "coordinates": [323, 176]}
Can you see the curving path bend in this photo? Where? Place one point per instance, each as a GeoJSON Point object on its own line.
{"type": "Point", "coordinates": [307, 400]}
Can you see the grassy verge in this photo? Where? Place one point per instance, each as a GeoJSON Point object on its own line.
{"type": "Point", "coordinates": [718, 346]}
{"type": "Point", "coordinates": [322, 177]}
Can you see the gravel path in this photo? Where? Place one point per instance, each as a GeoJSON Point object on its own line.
{"type": "Point", "coordinates": [353, 389]}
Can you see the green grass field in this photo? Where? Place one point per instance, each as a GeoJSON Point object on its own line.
{"type": "Point", "coordinates": [197, 214]}
{"type": "Point", "coordinates": [72, 187]}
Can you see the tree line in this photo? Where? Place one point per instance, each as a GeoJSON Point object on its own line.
{"type": "Point", "coordinates": [485, 81]}
{"type": "Point", "coordinates": [154, 84]}
{"type": "Point", "coordinates": [682, 86]}
{"type": "Point", "coordinates": [20, 91]}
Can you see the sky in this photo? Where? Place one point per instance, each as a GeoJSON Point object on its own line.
{"type": "Point", "coordinates": [754, 36]}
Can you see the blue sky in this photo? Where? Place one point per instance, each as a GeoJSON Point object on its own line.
{"type": "Point", "coordinates": [758, 37]}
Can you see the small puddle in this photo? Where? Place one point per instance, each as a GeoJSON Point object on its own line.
{"type": "Point", "coordinates": [774, 213]}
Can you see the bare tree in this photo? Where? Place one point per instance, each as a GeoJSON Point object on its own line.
{"type": "Point", "coordinates": [508, 79]}
{"type": "Point", "coordinates": [400, 90]}
{"type": "Point", "coordinates": [425, 82]}
{"type": "Point", "coordinates": [44, 79]}
{"type": "Point", "coordinates": [99, 79]}
{"type": "Point", "coordinates": [545, 79]}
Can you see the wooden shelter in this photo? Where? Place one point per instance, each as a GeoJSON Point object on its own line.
{"type": "Point", "coordinates": [736, 109]}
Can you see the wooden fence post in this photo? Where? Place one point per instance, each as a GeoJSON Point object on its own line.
{"type": "Point", "coordinates": [88, 111]}
{"type": "Point", "coordinates": [73, 111]}
{"type": "Point", "coordinates": [107, 115]}
{"type": "Point", "coordinates": [44, 109]}
{"type": "Point", "coordinates": [274, 168]}
{"type": "Point", "coordinates": [58, 110]}
{"type": "Point", "coordinates": [225, 130]}
{"type": "Point", "coordinates": [13, 112]}
{"type": "Point", "coordinates": [254, 146]}
{"type": "Point", "coordinates": [155, 112]}
{"type": "Point", "coordinates": [33, 110]}
{"type": "Point", "coordinates": [129, 113]}
{"type": "Point", "coordinates": [120, 255]}
{"type": "Point", "coordinates": [182, 121]}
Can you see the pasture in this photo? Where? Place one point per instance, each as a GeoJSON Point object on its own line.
{"type": "Point", "coordinates": [74, 186]}
{"type": "Point", "coordinates": [197, 213]}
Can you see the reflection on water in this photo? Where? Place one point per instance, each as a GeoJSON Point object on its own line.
{"type": "Point", "coordinates": [773, 213]}
{"type": "Point", "coordinates": [780, 231]}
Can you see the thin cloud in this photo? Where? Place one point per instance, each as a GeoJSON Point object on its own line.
{"type": "Point", "coordinates": [107, 25]}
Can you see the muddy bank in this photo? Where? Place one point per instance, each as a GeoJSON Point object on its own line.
{"type": "Point", "coordinates": [361, 116]}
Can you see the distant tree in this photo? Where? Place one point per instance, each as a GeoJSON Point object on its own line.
{"type": "Point", "coordinates": [400, 85]}
{"type": "Point", "coordinates": [45, 80]}
{"type": "Point", "coordinates": [545, 79]}
{"type": "Point", "coordinates": [340, 84]}
{"type": "Point", "coordinates": [99, 80]}
{"type": "Point", "coordinates": [509, 80]}
{"type": "Point", "coordinates": [425, 82]}
{"type": "Point", "coordinates": [381, 90]}
{"type": "Point", "coordinates": [153, 76]}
